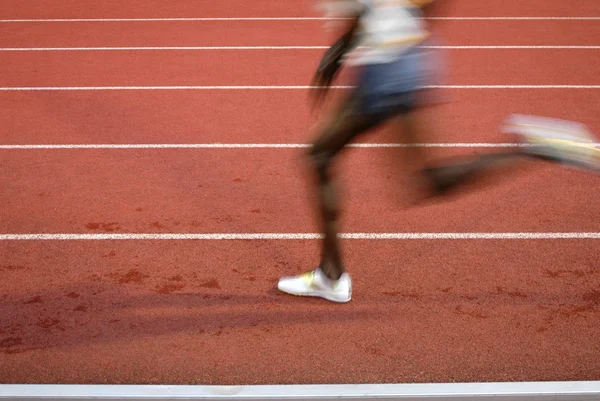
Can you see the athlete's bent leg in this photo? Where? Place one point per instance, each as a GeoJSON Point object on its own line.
{"type": "Point", "coordinates": [329, 280]}
{"type": "Point", "coordinates": [340, 130]}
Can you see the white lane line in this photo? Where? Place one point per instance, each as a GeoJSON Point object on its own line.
{"type": "Point", "coordinates": [285, 19]}
{"type": "Point", "coordinates": [171, 19]}
{"type": "Point", "coordinates": [512, 87]}
{"type": "Point", "coordinates": [262, 145]}
{"type": "Point", "coordinates": [275, 87]}
{"type": "Point", "coordinates": [177, 87]}
{"type": "Point", "coordinates": [197, 48]}
{"type": "Point", "coordinates": [299, 236]}
{"type": "Point", "coordinates": [26, 49]}
{"type": "Point", "coordinates": [510, 47]}
{"type": "Point", "coordinates": [515, 18]}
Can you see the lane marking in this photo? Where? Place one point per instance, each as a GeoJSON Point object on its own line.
{"type": "Point", "coordinates": [24, 49]}
{"type": "Point", "coordinates": [514, 18]}
{"type": "Point", "coordinates": [167, 19]}
{"type": "Point", "coordinates": [510, 47]}
{"type": "Point", "coordinates": [276, 87]}
{"type": "Point", "coordinates": [297, 236]}
{"type": "Point", "coordinates": [512, 87]}
{"type": "Point", "coordinates": [285, 19]}
{"type": "Point", "coordinates": [196, 48]}
{"type": "Point", "coordinates": [262, 145]}
{"type": "Point", "coordinates": [179, 87]}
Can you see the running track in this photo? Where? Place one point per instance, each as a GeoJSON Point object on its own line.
{"type": "Point", "coordinates": [206, 311]}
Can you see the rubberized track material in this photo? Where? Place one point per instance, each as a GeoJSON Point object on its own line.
{"type": "Point", "coordinates": [154, 193]}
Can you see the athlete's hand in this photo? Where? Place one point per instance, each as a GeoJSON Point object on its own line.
{"type": "Point", "coordinates": [327, 70]}
{"type": "Point", "coordinates": [331, 62]}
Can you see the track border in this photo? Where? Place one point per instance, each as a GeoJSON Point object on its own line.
{"type": "Point", "coordinates": [495, 391]}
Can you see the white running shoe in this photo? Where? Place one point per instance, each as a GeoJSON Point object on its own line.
{"type": "Point", "coordinates": [559, 140]}
{"type": "Point", "coordinates": [317, 284]}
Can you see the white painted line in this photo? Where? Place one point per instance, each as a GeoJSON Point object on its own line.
{"type": "Point", "coordinates": [296, 236]}
{"type": "Point", "coordinates": [515, 18]}
{"type": "Point", "coordinates": [263, 145]}
{"type": "Point", "coordinates": [513, 391]}
{"type": "Point", "coordinates": [512, 87]}
{"type": "Point", "coordinates": [196, 48]}
{"type": "Point", "coordinates": [286, 19]}
{"type": "Point", "coordinates": [172, 19]}
{"type": "Point", "coordinates": [26, 49]}
{"type": "Point", "coordinates": [198, 87]}
{"type": "Point", "coordinates": [275, 87]}
{"type": "Point", "coordinates": [509, 47]}
{"type": "Point", "coordinates": [162, 146]}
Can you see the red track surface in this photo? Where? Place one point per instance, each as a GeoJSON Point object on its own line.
{"type": "Point", "coordinates": [493, 67]}
{"type": "Point", "coordinates": [217, 116]}
{"type": "Point", "coordinates": [193, 312]}
{"type": "Point", "coordinates": [206, 311]}
{"type": "Point", "coordinates": [13, 9]}
{"type": "Point", "coordinates": [282, 33]}
{"type": "Point", "coordinates": [195, 191]}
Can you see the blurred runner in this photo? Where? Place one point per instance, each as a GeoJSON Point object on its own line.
{"type": "Point", "coordinates": [383, 41]}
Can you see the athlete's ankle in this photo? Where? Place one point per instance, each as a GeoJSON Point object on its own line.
{"type": "Point", "coordinates": [332, 274]}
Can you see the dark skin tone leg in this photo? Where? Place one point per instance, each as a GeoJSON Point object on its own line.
{"type": "Point", "coordinates": [342, 127]}
{"type": "Point", "coordinates": [449, 174]}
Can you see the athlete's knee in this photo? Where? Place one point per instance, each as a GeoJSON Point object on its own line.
{"type": "Point", "coordinates": [320, 158]}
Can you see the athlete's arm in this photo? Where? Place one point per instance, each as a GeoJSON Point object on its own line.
{"type": "Point", "coordinates": [331, 62]}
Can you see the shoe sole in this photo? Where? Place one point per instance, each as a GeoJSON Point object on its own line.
{"type": "Point", "coordinates": [317, 295]}
{"type": "Point", "coordinates": [574, 153]}
{"type": "Point", "coordinates": [556, 140]}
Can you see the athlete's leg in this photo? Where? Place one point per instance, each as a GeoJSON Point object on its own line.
{"type": "Point", "coordinates": [340, 129]}
{"type": "Point", "coordinates": [329, 280]}
{"type": "Point", "coordinates": [448, 174]}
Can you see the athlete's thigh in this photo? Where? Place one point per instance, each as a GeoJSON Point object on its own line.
{"type": "Point", "coordinates": [342, 126]}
